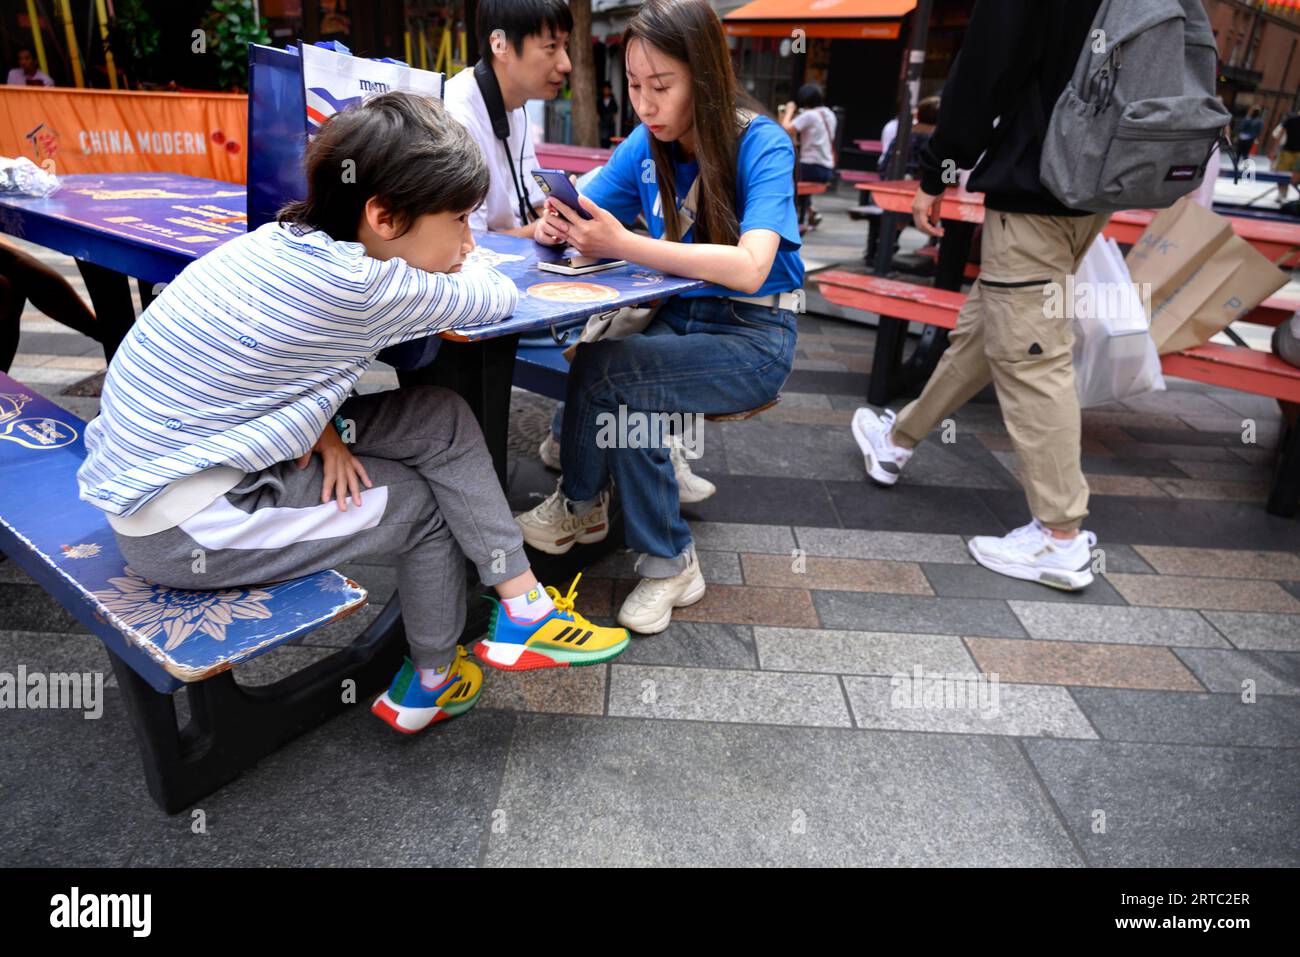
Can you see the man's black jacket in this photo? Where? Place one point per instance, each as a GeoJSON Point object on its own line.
{"type": "Point", "coordinates": [1015, 60]}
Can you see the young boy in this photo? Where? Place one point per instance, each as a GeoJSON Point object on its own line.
{"type": "Point", "coordinates": [242, 369]}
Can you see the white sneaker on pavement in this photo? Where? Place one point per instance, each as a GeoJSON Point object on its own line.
{"type": "Point", "coordinates": [884, 459]}
{"type": "Point", "coordinates": [553, 528]}
{"type": "Point", "coordinates": [1031, 553]}
{"type": "Point", "coordinates": [649, 609]}
{"type": "Point", "coordinates": [691, 488]}
{"type": "Point", "coordinates": [549, 452]}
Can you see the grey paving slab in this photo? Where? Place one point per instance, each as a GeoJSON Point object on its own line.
{"type": "Point", "coordinates": [892, 546]}
{"type": "Point", "coordinates": [1174, 717]}
{"type": "Point", "coordinates": [975, 581]}
{"type": "Point", "coordinates": [858, 652]}
{"type": "Point", "coordinates": [736, 537]}
{"type": "Point", "coordinates": [55, 652]}
{"type": "Point", "coordinates": [859, 611]}
{"type": "Point", "coordinates": [1258, 630]}
{"type": "Point", "coordinates": [956, 703]}
{"type": "Point", "coordinates": [30, 608]}
{"type": "Point", "coordinates": [762, 448]}
{"type": "Point", "coordinates": [718, 568]}
{"type": "Point", "coordinates": [627, 793]}
{"type": "Point", "coordinates": [1116, 624]}
{"type": "Point", "coordinates": [1158, 805]}
{"type": "Point", "coordinates": [352, 792]}
{"type": "Point", "coordinates": [1227, 671]}
{"type": "Point", "coordinates": [1121, 558]}
{"type": "Point", "coordinates": [960, 464]}
{"type": "Point", "coordinates": [695, 645]}
{"type": "Point", "coordinates": [804, 400]}
{"type": "Point", "coordinates": [705, 694]}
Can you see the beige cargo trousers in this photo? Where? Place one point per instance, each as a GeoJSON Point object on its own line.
{"type": "Point", "coordinates": [1006, 334]}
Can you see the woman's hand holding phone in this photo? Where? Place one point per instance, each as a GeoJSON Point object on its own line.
{"type": "Point", "coordinates": [601, 236]}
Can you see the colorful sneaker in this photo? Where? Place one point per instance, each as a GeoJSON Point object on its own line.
{"type": "Point", "coordinates": [562, 639]}
{"type": "Point", "coordinates": [409, 706]}
{"type": "Point", "coordinates": [553, 528]}
{"type": "Point", "coordinates": [1032, 554]}
{"type": "Point", "coordinates": [884, 460]}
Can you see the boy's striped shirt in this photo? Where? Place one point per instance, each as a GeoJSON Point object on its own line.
{"type": "Point", "coordinates": [245, 357]}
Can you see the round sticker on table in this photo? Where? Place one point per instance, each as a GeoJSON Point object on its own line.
{"type": "Point", "coordinates": [573, 292]}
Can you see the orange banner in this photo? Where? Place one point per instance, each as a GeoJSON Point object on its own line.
{"type": "Point", "coordinates": [103, 131]}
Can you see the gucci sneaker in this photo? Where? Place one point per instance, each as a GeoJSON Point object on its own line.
{"type": "Point", "coordinates": [553, 528]}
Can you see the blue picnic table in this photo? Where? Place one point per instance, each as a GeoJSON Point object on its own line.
{"type": "Point", "coordinates": [151, 226]}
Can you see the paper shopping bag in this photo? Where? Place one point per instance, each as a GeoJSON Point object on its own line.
{"type": "Point", "coordinates": [1203, 276]}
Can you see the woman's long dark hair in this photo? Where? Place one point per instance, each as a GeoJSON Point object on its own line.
{"type": "Point", "coordinates": [689, 31]}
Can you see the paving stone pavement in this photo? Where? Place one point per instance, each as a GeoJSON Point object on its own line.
{"type": "Point", "coordinates": [853, 689]}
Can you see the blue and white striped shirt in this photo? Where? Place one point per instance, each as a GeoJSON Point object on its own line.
{"type": "Point", "coordinates": [245, 357]}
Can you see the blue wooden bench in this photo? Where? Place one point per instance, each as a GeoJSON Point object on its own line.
{"type": "Point", "coordinates": [162, 640]}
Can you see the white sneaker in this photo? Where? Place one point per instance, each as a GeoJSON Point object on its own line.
{"type": "Point", "coordinates": [691, 488]}
{"type": "Point", "coordinates": [884, 459]}
{"type": "Point", "coordinates": [1030, 552]}
{"type": "Point", "coordinates": [649, 609]}
{"type": "Point", "coordinates": [549, 452]}
{"type": "Point", "coordinates": [553, 528]}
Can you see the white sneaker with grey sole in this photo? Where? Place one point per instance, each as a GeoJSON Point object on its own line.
{"type": "Point", "coordinates": [691, 488]}
{"type": "Point", "coordinates": [649, 609]}
{"type": "Point", "coordinates": [1032, 554]}
{"type": "Point", "coordinates": [884, 460]}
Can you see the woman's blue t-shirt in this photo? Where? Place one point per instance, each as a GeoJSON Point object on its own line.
{"type": "Point", "coordinates": [764, 195]}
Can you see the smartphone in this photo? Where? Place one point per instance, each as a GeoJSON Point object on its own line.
{"type": "Point", "coordinates": [579, 265]}
{"type": "Point", "coordinates": [555, 182]}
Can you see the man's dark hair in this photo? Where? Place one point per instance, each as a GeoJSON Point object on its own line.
{"type": "Point", "coordinates": [403, 149]}
{"type": "Point", "coordinates": [809, 96]}
{"type": "Point", "coordinates": [520, 19]}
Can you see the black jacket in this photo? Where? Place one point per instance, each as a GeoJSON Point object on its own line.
{"type": "Point", "coordinates": [1015, 60]}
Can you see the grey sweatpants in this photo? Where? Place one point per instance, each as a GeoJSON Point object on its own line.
{"type": "Point", "coordinates": [435, 501]}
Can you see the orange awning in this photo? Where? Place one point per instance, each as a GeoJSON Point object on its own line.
{"type": "Point", "coordinates": [841, 19]}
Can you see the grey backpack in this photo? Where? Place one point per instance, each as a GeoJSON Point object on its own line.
{"type": "Point", "coordinates": [1135, 126]}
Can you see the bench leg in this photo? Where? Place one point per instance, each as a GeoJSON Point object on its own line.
{"type": "Point", "coordinates": [232, 727]}
{"type": "Point", "coordinates": [1285, 495]}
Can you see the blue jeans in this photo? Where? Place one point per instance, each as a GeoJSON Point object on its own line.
{"type": "Point", "coordinates": [703, 355]}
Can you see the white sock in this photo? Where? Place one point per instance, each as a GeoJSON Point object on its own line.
{"type": "Point", "coordinates": [530, 606]}
{"type": "Point", "coordinates": [430, 678]}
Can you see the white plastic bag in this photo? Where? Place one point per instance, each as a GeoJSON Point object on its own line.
{"type": "Point", "coordinates": [1114, 355]}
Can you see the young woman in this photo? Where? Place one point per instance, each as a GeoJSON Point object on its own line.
{"type": "Point", "coordinates": [716, 186]}
{"type": "Point", "coordinates": [814, 123]}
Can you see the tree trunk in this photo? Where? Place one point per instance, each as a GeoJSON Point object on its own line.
{"type": "Point", "coordinates": [586, 125]}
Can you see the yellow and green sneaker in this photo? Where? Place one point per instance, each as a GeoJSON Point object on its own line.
{"type": "Point", "coordinates": [560, 639]}
{"type": "Point", "coordinates": [409, 706]}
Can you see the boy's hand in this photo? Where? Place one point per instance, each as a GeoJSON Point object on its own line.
{"type": "Point", "coordinates": [344, 473]}
{"type": "Point", "coordinates": [601, 236]}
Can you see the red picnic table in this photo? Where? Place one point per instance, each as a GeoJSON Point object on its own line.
{"type": "Point", "coordinates": [571, 159]}
{"type": "Point", "coordinates": [1279, 242]}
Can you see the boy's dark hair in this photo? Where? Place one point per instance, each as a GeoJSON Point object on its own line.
{"type": "Point", "coordinates": [809, 96]}
{"type": "Point", "coordinates": [519, 19]}
{"type": "Point", "coordinates": [404, 149]}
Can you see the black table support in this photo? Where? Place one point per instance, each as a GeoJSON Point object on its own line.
{"type": "Point", "coordinates": [891, 375]}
